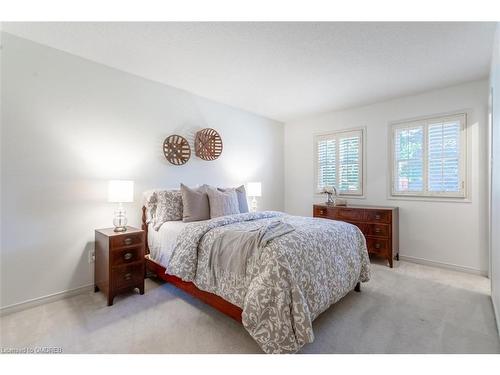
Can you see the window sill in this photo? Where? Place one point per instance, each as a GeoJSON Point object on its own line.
{"type": "Point", "coordinates": [428, 199]}
{"type": "Point", "coordinates": [318, 195]}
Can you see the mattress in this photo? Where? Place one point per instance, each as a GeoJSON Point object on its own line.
{"type": "Point", "coordinates": [162, 242]}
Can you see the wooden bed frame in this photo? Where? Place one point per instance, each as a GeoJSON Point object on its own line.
{"type": "Point", "coordinates": [211, 299]}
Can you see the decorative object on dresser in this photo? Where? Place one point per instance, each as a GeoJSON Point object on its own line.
{"type": "Point", "coordinates": [254, 190]}
{"type": "Point", "coordinates": [119, 261]}
{"type": "Point", "coordinates": [380, 226]}
{"type": "Point", "coordinates": [120, 191]}
{"type": "Point", "coordinates": [208, 144]}
{"type": "Point", "coordinates": [331, 194]}
{"type": "Point", "coordinates": [332, 198]}
{"type": "Point", "coordinates": [176, 149]}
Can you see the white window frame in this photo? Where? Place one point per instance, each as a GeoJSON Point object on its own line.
{"type": "Point", "coordinates": [362, 160]}
{"type": "Point", "coordinates": [462, 195]}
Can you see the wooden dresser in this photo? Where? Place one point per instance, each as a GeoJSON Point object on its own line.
{"type": "Point", "coordinates": [380, 225]}
{"type": "Point", "coordinates": [119, 261]}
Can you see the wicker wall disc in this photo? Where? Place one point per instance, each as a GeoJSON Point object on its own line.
{"type": "Point", "coordinates": [176, 149]}
{"type": "Point", "coordinates": [208, 144]}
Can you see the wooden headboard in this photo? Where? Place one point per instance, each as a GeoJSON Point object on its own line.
{"type": "Point", "coordinates": [145, 229]}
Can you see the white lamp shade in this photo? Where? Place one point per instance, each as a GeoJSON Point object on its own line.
{"type": "Point", "coordinates": [120, 191]}
{"type": "Point", "coordinates": [254, 189]}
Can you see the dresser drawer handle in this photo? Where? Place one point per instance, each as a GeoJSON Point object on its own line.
{"type": "Point", "coordinates": [127, 276]}
{"type": "Point", "coordinates": [377, 246]}
{"type": "Point", "coordinates": [127, 241]}
{"type": "Point", "coordinates": [377, 230]}
{"type": "Point", "coordinates": [127, 256]}
{"type": "Point", "coordinates": [377, 217]}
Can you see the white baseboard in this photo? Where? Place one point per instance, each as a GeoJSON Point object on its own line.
{"type": "Point", "coordinates": [44, 299]}
{"type": "Point", "coordinates": [497, 317]}
{"type": "Point", "coordinates": [443, 265]}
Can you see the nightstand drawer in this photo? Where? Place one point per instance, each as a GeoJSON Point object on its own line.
{"type": "Point", "coordinates": [128, 275]}
{"type": "Point", "coordinates": [126, 240]}
{"type": "Point", "coordinates": [127, 255]}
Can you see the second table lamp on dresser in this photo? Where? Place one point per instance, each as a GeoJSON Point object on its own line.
{"type": "Point", "coordinates": [120, 191]}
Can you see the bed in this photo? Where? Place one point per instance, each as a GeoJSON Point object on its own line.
{"type": "Point", "coordinates": [276, 291]}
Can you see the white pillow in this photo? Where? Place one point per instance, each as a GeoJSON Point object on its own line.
{"type": "Point", "coordinates": [222, 203]}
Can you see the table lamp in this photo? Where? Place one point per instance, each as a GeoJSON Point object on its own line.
{"type": "Point", "coordinates": [120, 191]}
{"type": "Point", "coordinates": [254, 189]}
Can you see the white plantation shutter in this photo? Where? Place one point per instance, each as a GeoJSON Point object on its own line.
{"type": "Point", "coordinates": [349, 163]}
{"type": "Point", "coordinates": [429, 157]}
{"type": "Point", "coordinates": [443, 163]}
{"type": "Point", "coordinates": [327, 173]}
{"type": "Point", "coordinates": [409, 165]}
{"type": "Point", "coordinates": [339, 162]}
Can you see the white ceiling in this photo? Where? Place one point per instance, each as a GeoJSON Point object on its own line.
{"type": "Point", "coordinates": [282, 70]}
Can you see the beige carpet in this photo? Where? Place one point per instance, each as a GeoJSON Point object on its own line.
{"type": "Point", "coordinates": [409, 309]}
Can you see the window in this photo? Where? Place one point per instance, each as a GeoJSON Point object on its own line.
{"type": "Point", "coordinates": [429, 157]}
{"type": "Point", "coordinates": [339, 162]}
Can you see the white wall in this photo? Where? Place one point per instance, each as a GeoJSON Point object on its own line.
{"type": "Point", "coordinates": [495, 178]}
{"type": "Point", "coordinates": [69, 125]}
{"type": "Point", "coordinates": [449, 233]}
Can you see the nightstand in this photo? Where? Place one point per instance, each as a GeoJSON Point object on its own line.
{"type": "Point", "coordinates": [119, 261]}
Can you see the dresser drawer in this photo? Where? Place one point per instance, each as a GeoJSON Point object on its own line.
{"type": "Point", "coordinates": [128, 275]}
{"type": "Point", "coordinates": [319, 211]}
{"type": "Point", "coordinates": [126, 255]}
{"type": "Point", "coordinates": [376, 216]}
{"type": "Point", "coordinates": [126, 240]}
{"type": "Point", "coordinates": [377, 245]}
{"type": "Point", "coordinates": [378, 230]}
{"type": "Point", "coordinates": [347, 214]}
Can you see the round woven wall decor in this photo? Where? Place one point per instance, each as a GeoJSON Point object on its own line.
{"type": "Point", "coordinates": [208, 144]}
{"type": "Point", "coordinates": [176, 149]}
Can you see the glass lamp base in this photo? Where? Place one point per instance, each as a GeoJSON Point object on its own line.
{"type": "Point", "coordinates": [120, 219]}
{"type": "Point", "coordinates": [253, 208]}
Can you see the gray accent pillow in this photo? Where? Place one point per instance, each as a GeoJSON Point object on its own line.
{"type": "Point", "coordinates": [195, 203]}
{"type": "Point", "coordinates": [149, 201]}
{"type": "Point", "coordinates": [222, 203]}
{"type": "Point", "coordinates": [168, 207]}
{"type": "Point", "coordinates": [242, 197]}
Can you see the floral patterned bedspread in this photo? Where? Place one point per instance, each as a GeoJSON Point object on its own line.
{"type": "Point", "coordinates": [291, 280]}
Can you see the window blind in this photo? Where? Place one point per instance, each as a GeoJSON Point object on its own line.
{"type": "Point", "coordinates": [444, 156]}
{"type": "Point", "coordinates": [408, 157]}
{"type": "Point", "coordinates": [327, 149]}
{"type": "Point", "coordinates": [429, 157]}
{"type": "Point", "coordinates": [339, 162]}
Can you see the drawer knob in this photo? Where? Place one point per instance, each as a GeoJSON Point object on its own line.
{"type": "Point", "coordinates": [377, 230]}
{"type": "Point", "coordinates": [377, 217]}
{"type": "Point", "coordinates": [127, 241]}
{"type": "Point", "coordinates": [127, 256]}
{"type": "Point", "coordinates": [127, 276]}
{"type": "Point", "coordinates": [377, 246]}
